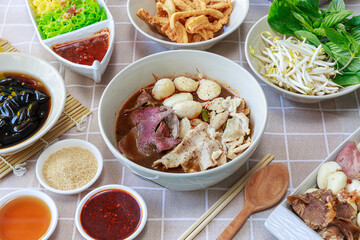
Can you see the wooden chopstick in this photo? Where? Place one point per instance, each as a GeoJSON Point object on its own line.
{"type": "Point", "coordinates": [210, 214]}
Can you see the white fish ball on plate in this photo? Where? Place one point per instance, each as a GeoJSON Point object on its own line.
{"type": "Point", "coordinates": [163, 88]}
{"type": "Point", "coordinates": [177, 98]}
{"type": "Point", "coordinates": [310, 190]}
{"type": "Point", "coordinates": [354, 185]}
{"type": "Point", "coordinates": [336, 182]}
{"type": "Point", "coordinates": [185, 84]}
{"type": "Point", "coordinates": [325, 170]}
{"type": "Point", "coordinates": [188, 109]}
{"type": "Point", "coordinates": [358, 219]}
{"type": "Point", "coordinates": [208, 90]}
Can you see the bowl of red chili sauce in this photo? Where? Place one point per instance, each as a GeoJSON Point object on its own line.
{"type": "Point", "coordinates": [111, 212]}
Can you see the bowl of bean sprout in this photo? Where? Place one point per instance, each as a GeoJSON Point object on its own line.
{"type": "Point", "coordinates": [295, 69]}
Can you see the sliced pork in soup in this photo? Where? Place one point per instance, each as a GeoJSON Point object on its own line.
{"type": "Point", "coordinates": [183, 124]}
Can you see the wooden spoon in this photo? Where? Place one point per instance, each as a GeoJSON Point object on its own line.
{"type": "Point", "coordinates": [264, 189]}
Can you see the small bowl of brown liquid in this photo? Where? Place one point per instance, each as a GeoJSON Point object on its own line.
{"type": "Point", "coordinates": [27, 214]}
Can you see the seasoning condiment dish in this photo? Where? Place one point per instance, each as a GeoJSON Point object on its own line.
{"type": "Point", "coordinates": [283, 222]}
{"type": "Point", "coordinates": [240, 9]}
{"type": "Point", "coordinates": [40, 195]}
{"type": "Point", "coordinates": [66, 144]}
{"type": "Point", "coordinates": [50, 77]}
{"type": "Point", "coordinates": [97, 68]}
{"type": "Point", "coordinates": [80, 216]}
{"type": "Point", "coordinates": [175, 63]}
{"type": "Point", "coordinates": [253, 39]}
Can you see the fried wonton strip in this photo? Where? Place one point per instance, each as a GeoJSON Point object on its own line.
{"type": "Point", "coordinates": [160, 21]}
{"type": "Point", "coordinates": [181, 34]}
{"type": "Point", "coordinates": [226, 13]}
{"type": "Point", "coordinates": [144, 15]}
{"type": "Point", "coordinates": [206, 34]}
{"type": "Point", "coordinates": [219, 6]}
{"type": "Point", "coordinates": [181, 15]}
{"type": "Point", "coordinates": [169, 7]}
{"type": "Point", "coordinates": [169, 32]}
{"type": "Point", "coordinates": [197, 38]}
{"type": "Point", "coordinates": [183, 6]}
{"type": "Point", "coordinates": [195, 24]}
{"type": "Point", "coordinates": [200, 4]}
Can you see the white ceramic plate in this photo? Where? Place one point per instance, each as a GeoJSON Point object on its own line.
{"type": "Point", "coordinates": [240, 9]}
{"type": "Point", "coordinates": [283, 222]}
{"type": "Point", "coordinates": [253, 39]}
{"type": "Point", "coordinates": [97, 69]}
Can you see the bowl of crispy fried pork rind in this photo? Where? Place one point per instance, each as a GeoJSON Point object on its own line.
{"type": "Point", "coordinates": [184, 119]}
{"type": "Point", "coordinates": [187, 24]}
{"type": "Point", "coordinates": [326, 204]}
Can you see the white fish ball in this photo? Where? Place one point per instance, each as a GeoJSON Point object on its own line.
{"type": "Point", "coordinates": [325, 170]}
{"type": "Point", "coordinates": [310, 190]}
{"type": "Point", "coordinates": [208, 90]}
{"type": "Point", "coordinates": [177, 98]}
{"type": "Point", "coordinates": [163, 88]}
{"type": "Point", "coordinates": [184, 84]}
{"type": "Point", "coordinates": [189, 109]}
{"type": "Point", "coordinates": [353, 204]}
{"type": "Point", "coordinates": [336, 182]}
{"type": "Point", "coordinates": [354, 185]}
{"type": "Point", "coordinates": [358, 219]}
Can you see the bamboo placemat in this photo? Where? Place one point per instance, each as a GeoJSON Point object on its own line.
{"type": "Point", "coordinates": [73, 113]}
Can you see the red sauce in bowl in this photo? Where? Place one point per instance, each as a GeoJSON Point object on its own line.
{"type": "Point", "coordinates": [84, 51]}
{"type": "Point", "coordinates": [111, 214]}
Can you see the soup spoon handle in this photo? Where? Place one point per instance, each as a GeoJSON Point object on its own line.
{"type": "Point", "coordinates": [231, 230]}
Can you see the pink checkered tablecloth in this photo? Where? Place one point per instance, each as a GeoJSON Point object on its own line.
{"type": "Point", "coordinates": [300, 135]}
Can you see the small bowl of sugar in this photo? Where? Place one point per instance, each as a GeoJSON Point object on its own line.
{"type": "Point", "coordinates": [69, 166]}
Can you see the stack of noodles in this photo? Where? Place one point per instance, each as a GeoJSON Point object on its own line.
{"type": "Point", "coordinates": [56, 17]}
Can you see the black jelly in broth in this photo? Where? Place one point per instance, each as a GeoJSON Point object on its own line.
{"type": "Point", "coordinates": [24, 107]}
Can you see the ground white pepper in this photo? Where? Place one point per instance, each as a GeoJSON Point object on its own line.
{"type": "Point", "coordinates": [70, 168]}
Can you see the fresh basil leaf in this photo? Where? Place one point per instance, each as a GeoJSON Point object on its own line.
{"type": "Point", "coordinates": [281, 19]}
{"type": "Point", "coordinates": [347, 80]}
{"type": "Point", "coordinates": [319, 31]}
{"type": "Point", "coordinates": [343, 57]}
{"type": "Point", "coordinates": [334, 18]}
{"type": "Point", "coordinates": [355, 32]}
{"type": "Point", "coordinates": [336, 6]}
{"type": "Point", "coordinates": [337, 38]}
{"type": "Point", "coordinates": [355, 45]}
{"type": "Point", "coordinates": [308, 7]}
{"type": "Point", "coordinates": [328, 50]}
{"type": "Point", "coordinates": [355, 20]}
{"type": "Point", "coordinates": [340, 27]}
{"type": "Point", "coordinates": [304, 20]}
{"type": "Point", "coordinates": [310, 37]}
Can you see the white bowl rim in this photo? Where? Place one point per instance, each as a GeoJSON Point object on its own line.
{"type": "Point", "coordinates": [41, 195]}
{"type": "Point", "coordinates": [57, 146]}
{"type": "Point", "coordinates": [297, 95]}
{"type": "Point", "coordinates": [197, 44]}
{"type": "Point", "coordinates": [180, 175]}
{"type": "Point", "coordinates": [137, 196]}
{"type": "Point", "coordinates": [45, 128]}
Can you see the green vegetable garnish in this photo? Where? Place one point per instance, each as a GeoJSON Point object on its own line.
{"type": "Point", "coordinates": [62, 21]}
{"type": "Point", "coordinates": [204, 115]}
{"type": "Point", "coordinates": [333, 28]}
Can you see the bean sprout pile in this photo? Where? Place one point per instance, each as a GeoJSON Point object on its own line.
{"type": "Point", "coordinates": [296, 66]}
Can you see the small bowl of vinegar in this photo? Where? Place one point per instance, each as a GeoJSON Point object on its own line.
{"type": "Point", "coordinates": [27, 214]}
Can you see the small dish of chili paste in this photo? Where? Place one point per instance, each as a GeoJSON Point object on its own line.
{"type": "Point", "coordinates": [111, 212]}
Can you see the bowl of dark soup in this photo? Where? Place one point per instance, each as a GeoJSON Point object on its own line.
{"type": "Point", "coordinates": [183, 119]}
{"type": "Point", "coordinates": [32, 98]}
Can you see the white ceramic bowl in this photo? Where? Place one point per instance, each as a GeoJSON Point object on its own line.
{"type": "Point", "coordinates": [64, 144]}
{"type": "Point", "coordinates": [140, 200]}
{"type": "Point", "coordinates": [97, 68]}
{"type": "Point", "coordinates": [47, 74]}
{"type": "Point", "coordinates": [43, 196]}
{"type": "Point", "coordinates": [253, 39]}
{"type": "Point", "coordinates": [139, 74]}
{"type": "Point", "coordinates": [283, 221]}
{"type": "Point", "coordinates": [240, 9]}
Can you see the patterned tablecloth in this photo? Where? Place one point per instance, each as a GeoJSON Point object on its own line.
{"type": "Point", "coordinates": [299, 135]}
